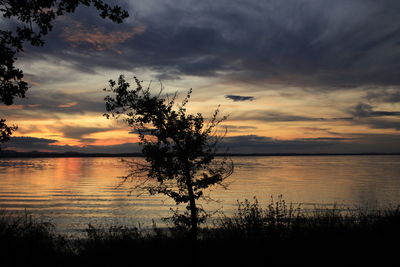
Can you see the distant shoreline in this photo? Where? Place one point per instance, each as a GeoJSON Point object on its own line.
{"type": "Point", "coordinates": [37, 154]}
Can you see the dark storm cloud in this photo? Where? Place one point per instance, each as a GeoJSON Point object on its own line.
{"type": "Point", "coordinates": [238, 98]}
{"type": "Point", "coordinates": [331, 44]}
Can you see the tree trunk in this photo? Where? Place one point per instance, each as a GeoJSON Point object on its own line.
{"type": "Point", "coordinates": [192, 207]}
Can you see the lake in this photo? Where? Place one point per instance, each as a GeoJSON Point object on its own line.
{"type": "Point", "coordinates": [72, 192]}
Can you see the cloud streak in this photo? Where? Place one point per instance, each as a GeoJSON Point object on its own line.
{"type": "Point", "coordinates": [238, 98]}
{"type": "Point", "coordinates": [276, 116]}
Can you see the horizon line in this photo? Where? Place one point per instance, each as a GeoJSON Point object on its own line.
{"type": "Point", "coordinates": [15, 154]}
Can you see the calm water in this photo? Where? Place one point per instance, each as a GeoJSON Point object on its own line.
{"type": "Point", "coordinates": [72, 192]}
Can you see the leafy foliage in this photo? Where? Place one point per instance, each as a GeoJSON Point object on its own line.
{"type": "Point", "coordinates": [35, 18]}
{"type": "Point", "coordinates": [5, 131]}
{"type": "Point", "coordinates": [180, 149]}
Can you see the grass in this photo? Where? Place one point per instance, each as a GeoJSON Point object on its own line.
{"type": "Point", "coordinates": [24, 241]}
{"type": "Point", "coordinates": [275, 235]}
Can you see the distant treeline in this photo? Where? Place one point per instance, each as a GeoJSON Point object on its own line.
{"type": "Point", "coordinates": [39, 154]}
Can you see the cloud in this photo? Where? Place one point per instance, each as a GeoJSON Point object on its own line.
{"type": "Point", "coordinates": [365, 114]}
{"type": "Point", "coordinates": [96, 38]}
{"type": "Point", "coordinates": [385, 95]}
{"type": "Point", "coordinates": [323, 44]}
{"type": "Point", "coordinates": [275, 116]}
{"type": "Point", "coordinates": [49, 104]}
{"type": "Point", "coordinates": [77, 132]}
{"type": "Point", "coordinates": [315, 129]}
{"type": "Point", "coordinates": [381, 123]}
{"type": "Point", "coordinates": [66, 105]}
{"type": "Point", "coordinates": [363, 110]}
{"type": "Point", "coordinates": [238, 128]}
{"type": "Point", "coordinates": [29, 143]}
{"type": "Point", "coordinates": [237, 98]}
{"type": "Point", "coordinates": [303, 48]}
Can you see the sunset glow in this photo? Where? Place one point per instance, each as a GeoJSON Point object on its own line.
{"type": "Point", "coordinates": [287, 84]}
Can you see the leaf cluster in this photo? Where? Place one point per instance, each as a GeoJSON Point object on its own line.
{"type": "Point", "coordinates": [35, 20]}
{"type": "Point", "coordinates": [5, 131]}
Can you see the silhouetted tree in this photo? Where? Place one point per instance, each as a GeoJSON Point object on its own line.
{"type": "Point", "coordinates": [35, 18]}
{"type": "Point", "coordinates": [5, 131]}
{"type": "Point", "coordinates": [179, 149]}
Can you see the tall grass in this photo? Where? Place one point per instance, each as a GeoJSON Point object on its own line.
{"type": "Point", "coordinates": [275, 234]}
{"type": "Point", "coordinates": [279, 220]}
{"type": "Point", "coordinates": [24, 240]}
{"type": "Point", "coordinates": [285, 234]}
{"type": "Point", "coordinates": [253, 221]}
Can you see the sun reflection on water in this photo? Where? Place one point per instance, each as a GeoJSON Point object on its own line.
{"type": "Point", "coordinates": [76, 191]}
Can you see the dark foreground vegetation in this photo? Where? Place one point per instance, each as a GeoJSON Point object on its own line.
{"type": "Point", "coordinates": [275, 235]}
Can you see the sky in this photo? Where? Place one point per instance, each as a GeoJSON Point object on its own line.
{"type": "Point", "coordinates": [293, 76]}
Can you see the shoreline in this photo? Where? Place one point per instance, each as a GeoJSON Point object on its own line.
{"type": "Point", "coordinates": [274, 235]}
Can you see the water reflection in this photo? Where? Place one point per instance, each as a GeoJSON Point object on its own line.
{"type": "Point", "coordinates": [76, 191]}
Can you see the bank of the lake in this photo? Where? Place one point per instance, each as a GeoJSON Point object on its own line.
{"type": "Point", "coordinates": [272, 235]}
